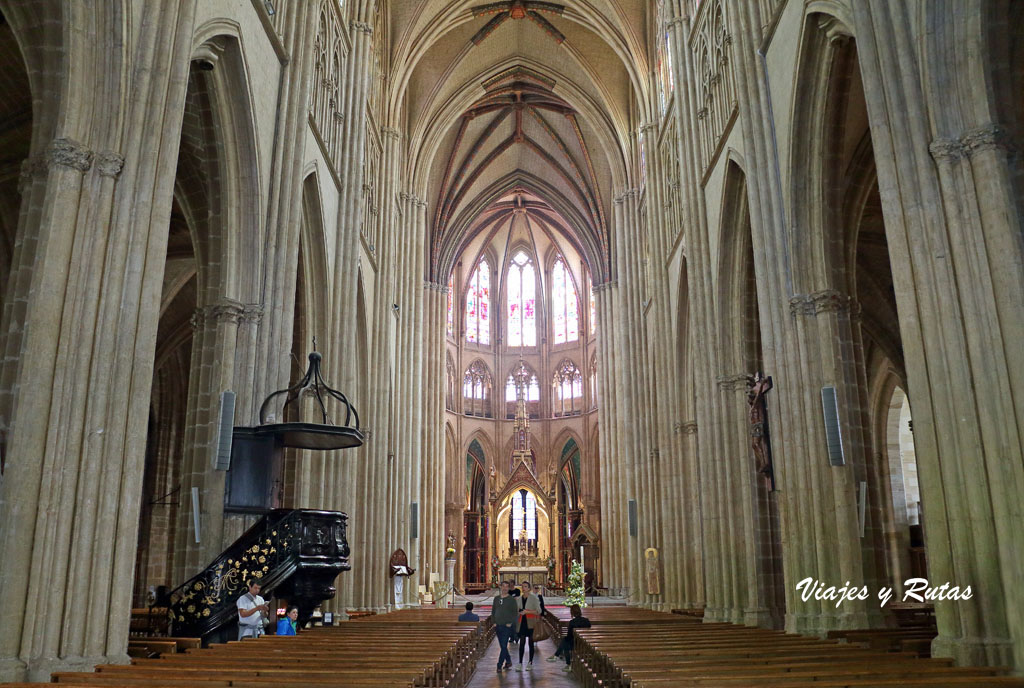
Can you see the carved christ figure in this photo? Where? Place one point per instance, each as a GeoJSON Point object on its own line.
{"type": "Point", "coordinates": [758, 386]}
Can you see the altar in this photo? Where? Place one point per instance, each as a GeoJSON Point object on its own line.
{"type": "Point", "coordinates": [537, 575]}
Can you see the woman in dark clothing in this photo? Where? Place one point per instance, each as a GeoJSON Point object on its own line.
{"type": "Point", "coordinates": [529, 615]}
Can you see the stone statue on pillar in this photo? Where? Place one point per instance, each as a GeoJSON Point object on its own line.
{"type": "Point", "coordinates": [758, 386]}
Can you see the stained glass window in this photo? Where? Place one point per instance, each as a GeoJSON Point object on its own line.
{"type": "Point", "coordinates": [522, 301]}
{"type": "Point", "coordinates": [531, 516]}
{"type": "Point", "coordinates": [568, 388]}
{"type": "Point", "coordinates": [524, 514]}
{"type": "Point", "coordinates": [593, 313]}
{"type": "Point", "coordinates": [451, 306]}
{"type": "Point", "coordinates": [478, 302]}
{"type": "Point", "coordinates": [532, 396]}
{"type": "Point", "coordinates": [518, 517]}
{"type": "Point", "coordinates": [565, 305]}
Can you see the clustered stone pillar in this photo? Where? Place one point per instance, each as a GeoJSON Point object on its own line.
{"type": "Point", "coordinates": [79, 315]}
{"type": "Point", "coordinates": [432, 495]}
{"type": "Point", "coordinates": [946, 177]}
{"type": "Point", "coordinates": [215, 340]}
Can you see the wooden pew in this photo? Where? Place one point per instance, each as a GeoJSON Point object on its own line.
{"type": "Point", "coordinates": [428, 648]}
{"type": "Point", "coordinates": [658, 650]}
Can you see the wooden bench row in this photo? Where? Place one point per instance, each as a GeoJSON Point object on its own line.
{"type": "Point", "coordinates": [409, 650]}
{"type": "Point", "coordinates": [677, 650]}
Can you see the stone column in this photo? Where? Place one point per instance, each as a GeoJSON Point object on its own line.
{"type": "Point", "coordinates": [956, 257]}
{"type": "Point", "coordinates": [80, 315]}
{"type": "Point", "coordinates": [214, 350]}
{"type": "Point", "coordinates": [274, 343]}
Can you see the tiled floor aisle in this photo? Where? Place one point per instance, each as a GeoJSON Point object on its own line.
{"type": "Point", "coordinates": [544, 674]}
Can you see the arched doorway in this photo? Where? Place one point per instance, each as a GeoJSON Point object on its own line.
{"type": "Point", "coordinates": [570, 512]}
{"type": "Point", "coordinates": [474, 522]}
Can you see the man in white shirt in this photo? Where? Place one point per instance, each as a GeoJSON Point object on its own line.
{"type": "Point", "coordinates": [251, 611]}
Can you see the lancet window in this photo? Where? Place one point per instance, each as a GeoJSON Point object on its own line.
{"type": "Point", "coordinates": [478, 304]}
{"type": "Point", "coordinates": [451, 306]}
{"type": "Point", "coordinates": [532, 396]}
{"type": "Point", "coordinates": [593, 382]}
{"type": "Point", "coordinates": [666, 78]}
{"type": "Point", "coordinates": [523, 517]}
{"type": "Point", "coordinates": [522, 301]}
{"type": "Point", "coordinates": [568, 388]}
{"type": "Point", "coordinates": [593, 313]}
{"type": "Point", "coordinates": [452, 383]}
{"type": "Point", "coordinates": [565, 306]}
{"type": "Point", "coordinates": [476, 391]}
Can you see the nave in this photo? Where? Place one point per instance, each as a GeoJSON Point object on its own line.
{"type": "Point", "coordinates": [627, 647]}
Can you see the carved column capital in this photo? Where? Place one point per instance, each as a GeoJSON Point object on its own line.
{"type": "Point", "coordinates": [625, 195]}
{"type": "Point", "coordinates": [68, 153]}
{"type": "Point", "coordinates": [991, 137]}
{"type": "Point", "coordinates": [224, 311]}
{"type": "Point", "coordinates": [391, 133]}
{"type": "Point", "coordinates": [31, 167]}
{"type": "Point", "coordinates": [109, 164]}
{"type": "Point", "coordinates": [945, 150]}
{"type": "Point", "coordinates": [825, 301]}
{"type": "Point", "coordinates": [732, 383]}
{"type": "Point", "coordinates": [361, 27]}
{"type": "Point", "coordinates": [986, 138]}
{"type": "Point", "coordinates": [413, 199]}
{"type": "Point", "coordinates": [252, 313]}
{"type": "Point", "coordinates": [687, 428]}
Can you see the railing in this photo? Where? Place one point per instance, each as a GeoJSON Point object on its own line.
{"type": "Point", "coordinates": [294, 554]}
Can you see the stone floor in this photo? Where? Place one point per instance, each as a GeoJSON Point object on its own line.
{"type": "Point", "coordinates": [544, 674]}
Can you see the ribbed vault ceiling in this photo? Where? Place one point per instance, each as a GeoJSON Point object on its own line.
{"type": "Point", "coordinates": [520, 97]}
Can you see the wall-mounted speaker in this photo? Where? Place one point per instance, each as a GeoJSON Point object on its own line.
{"type": "Point", "coordinates": [195, 512]}
{"type": "Point", "coordinates": [414, 520]}
{"type": "Point", "coordinates": [633, 527]}
{"type": "Point", "coordinates": [225, 431]}
{"type": "Point", "coordinates": [833, 433]}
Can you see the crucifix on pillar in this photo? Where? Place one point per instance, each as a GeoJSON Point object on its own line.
{"type": "Point", "coordinates": [758, 386]}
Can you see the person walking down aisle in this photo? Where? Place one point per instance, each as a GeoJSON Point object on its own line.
{"type": "Point", "coordinates": [514, 592]}
{"type": "Point", "coordinates": [504, 611]}
{"type": "Point", "coordinates": [529, 615]}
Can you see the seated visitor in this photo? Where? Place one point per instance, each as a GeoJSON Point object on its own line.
{"type": "Point", "coordinates": [287, 624]}
{"type": "Point", "coordinates": [468, 615]}
{"type": "Point", "coordinates": [565, 647]}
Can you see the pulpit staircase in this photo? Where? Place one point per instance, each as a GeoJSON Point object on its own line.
{"type": "Point", "coordinates": [295, 554]}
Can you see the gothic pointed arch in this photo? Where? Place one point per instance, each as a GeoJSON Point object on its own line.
{"type": "Point", "coordinates": [567, 389]}
{"type": "Point", "coordinates": [533, 396]}
{"type": "Point", "coordinates": [477, 389]}
{"type": "Point", "coordinates": [522, 290]}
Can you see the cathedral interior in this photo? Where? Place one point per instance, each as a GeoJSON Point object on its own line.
{"type": "Point", "coordinates": [711, 297]}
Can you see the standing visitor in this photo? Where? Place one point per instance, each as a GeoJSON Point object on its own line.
{"type": "Point", "coordinates": [529, 614]}
{"type": "Point", "coordinates": [504, 611]}
{"type": "Point", "coordinates": [251, 610]}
